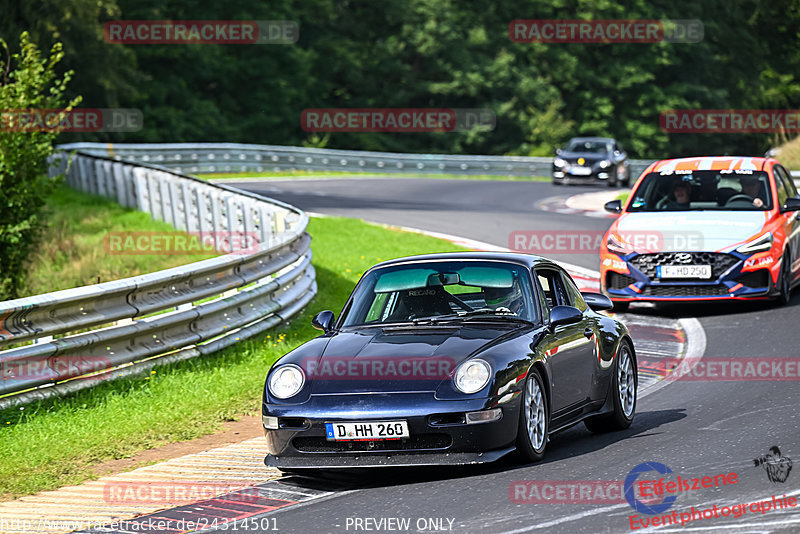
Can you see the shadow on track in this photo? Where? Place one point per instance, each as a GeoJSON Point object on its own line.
{"type": "Point", "coordinates": [699, 309]}
{"type": "Point", "coordinates": [571, 443]}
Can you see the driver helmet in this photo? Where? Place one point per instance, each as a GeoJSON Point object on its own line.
{"type": "Point", "coordinates": [509, 298]}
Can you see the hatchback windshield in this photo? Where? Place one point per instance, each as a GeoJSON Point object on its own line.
{"type": "Point", "coordinates": [702, 190]}
{"type": "Point", "coordinates": [593, 147]}
{"type": "Point", "coordinates": [456, 289]}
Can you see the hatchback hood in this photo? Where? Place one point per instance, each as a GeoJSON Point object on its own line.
{"type": "Point", "coordinates": [690, 231]}
{"type": "Point", "coordinates": [397, 359]}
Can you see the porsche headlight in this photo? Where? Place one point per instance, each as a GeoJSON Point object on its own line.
{"type": "Point", "coordinates": [558, 162]}
{"type": "Point", "coordinates": [617, 245]}
{"type": "Point", "coordinates": [472, 376]}
{"type": "Point", "coordinates": [286, 381]}
{"type": "Point", "coordinates": [759, 244]}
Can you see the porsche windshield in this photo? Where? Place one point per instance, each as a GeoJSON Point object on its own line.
{"type": "Point", "coordinates": [740, 190]}
{"type": "Point", "coordinates": [454, 289]}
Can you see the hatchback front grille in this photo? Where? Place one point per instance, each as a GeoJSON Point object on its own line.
{"type": "Point", "coordinates": [719, 262]}
{"type": "Point", "coordinates": [618, 281]}
{"type": "Point", "coordinates": [759, 278]}
{"type": "Point", "coordinates": [674, 290]}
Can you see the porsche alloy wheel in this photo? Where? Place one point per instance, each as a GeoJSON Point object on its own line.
{"type": "Point", "coordinates": [532, 435]}
{"type": "Point", "coordinates": [626, 382]}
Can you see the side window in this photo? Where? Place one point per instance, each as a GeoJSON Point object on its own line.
{"type": "Point", "coordinates": [553, 288]}
{"type": "Point", "coordinates": [780, 186]}
{"type": "Point", "coordinates": [575, 297]}
{"type": "Point", "coordinates": [788, 183]}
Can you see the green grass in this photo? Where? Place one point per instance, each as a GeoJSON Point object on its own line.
{"type": "Point", "coordinates": [56, 443]}
{"type": "Point", "coordinates": [790, 154]}
{"type": "Point", "coordinates": [342, 174]}
{"type": "Point", "coordinates": [73, 253]}
{"type": "Point", "coordinates": [623, 196]}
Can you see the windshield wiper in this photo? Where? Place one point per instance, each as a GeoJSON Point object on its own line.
{"type": "Point", "coordinates": [483, 313]}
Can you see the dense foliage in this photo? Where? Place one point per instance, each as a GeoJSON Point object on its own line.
{"type": "Point", "coordinates": [27, 81]}
{"type": "Point", "coordinates": [429, 53]}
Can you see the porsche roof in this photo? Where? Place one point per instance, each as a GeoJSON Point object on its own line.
{"type": "Point", "coordinates": [525, 259]}
{"type": "Point", "coordinates": [711, 163]}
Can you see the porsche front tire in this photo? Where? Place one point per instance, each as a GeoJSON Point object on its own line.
{"type": "Point", "coordinates": [534, 420]}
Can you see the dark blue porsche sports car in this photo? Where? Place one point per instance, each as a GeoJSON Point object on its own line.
{"type": "Point", "coordinates": [450, 359]}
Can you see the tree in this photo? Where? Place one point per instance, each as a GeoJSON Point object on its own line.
{"type": "Point", "coordinates": [27, 82]}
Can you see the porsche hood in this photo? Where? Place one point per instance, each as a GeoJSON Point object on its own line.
{"type": "Point", "coordinates": [392, 359]}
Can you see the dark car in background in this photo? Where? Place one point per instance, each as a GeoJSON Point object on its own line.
{"type": "Point", "coordinates": [455, 358]}
{"type": "Point", "coordinates": [591, 160]}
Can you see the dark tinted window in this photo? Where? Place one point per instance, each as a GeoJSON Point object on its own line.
{"type": "Point", "coordinates": [702, 190]}
{"type": "Point", "coordinates": [402, 293]}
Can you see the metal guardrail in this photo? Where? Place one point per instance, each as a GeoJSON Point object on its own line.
{"type": "Point", "coordinates": [230, 157]}
{"type": "Point", "coordinates": [136, 323]}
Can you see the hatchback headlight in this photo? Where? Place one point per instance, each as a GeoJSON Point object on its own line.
{"type": "Point", "coordinates": [617, 245]}
{"type": "Point", "coordinates": [605, 163]}
{"type": "Point", "coordinates": [759, 244]}
{"type": "Point", "coordinates": [286, 380]}
{"type": "Point", "coordinates": [472, 376]}
{"type": "Point", "coordinates": [558, 162]}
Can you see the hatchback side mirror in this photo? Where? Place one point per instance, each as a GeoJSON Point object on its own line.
{"type": "Point", "coordinates": [597, 301]}
{"type": "Point", "coordinates": [323, 321]}
{"type": "Point", "coordinates": [563, 315]}
{"type": "Point", "coordinates": [791, 204]}
{"type": "Point", "coordinates": [613, 206]}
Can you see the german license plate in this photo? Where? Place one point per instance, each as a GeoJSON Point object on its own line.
{"type": "Point", "coordinates": [580, 171]}
{"type": "Point", "coordinates": [371, 431]}
{"type": "Point", "coordinates": [683, 271]}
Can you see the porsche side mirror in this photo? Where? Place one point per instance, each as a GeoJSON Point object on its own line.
{"type": "Point", "coordinates": [563, 315]}
{"type": "Point", "coordinates": [614, 206]}
{"type": "Point", "coordinates": [558, 151]}
{"type": "Point", "coordinates": [791, 204]}
{"type": "Point", "coordinates": [323, 321]}
{"type": "Point", "coordinates": [597, 301]}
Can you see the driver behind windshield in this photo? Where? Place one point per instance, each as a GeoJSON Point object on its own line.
{"type": "Point", "coordinates": [681, 195]}
{"type": "Point", "coordinates": [751, 186]}
{"type": "Point", "coordinates": [504, 300]}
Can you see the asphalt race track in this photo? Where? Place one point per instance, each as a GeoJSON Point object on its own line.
{"type": "Point", "coordinates": [696, 428]}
